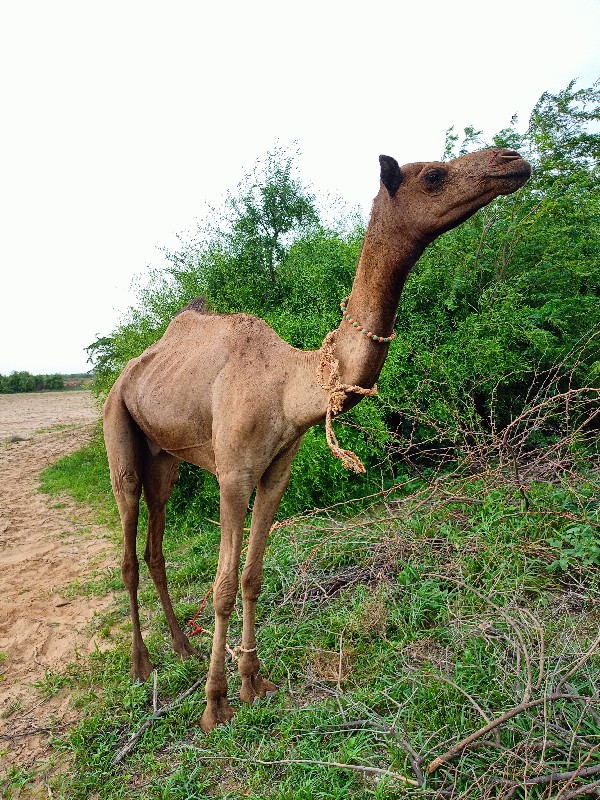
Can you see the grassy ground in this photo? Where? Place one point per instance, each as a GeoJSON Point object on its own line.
{"type": "Point", "coordinates": [394, 634]}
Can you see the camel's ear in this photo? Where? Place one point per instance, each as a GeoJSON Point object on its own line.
{"type": "Point", "coordinates": [391, 177]}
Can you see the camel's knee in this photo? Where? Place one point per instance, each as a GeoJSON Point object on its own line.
{"type": "Point", "coordinates": [130, 573]}
{"type": "Point", "coordinates": [126, 483]}
{"type": "Point", "coordinates": [251, 583]}
{"type": "Point", "coordinates": [224, 593]}
{"type": "Point", "coordinates": [216, 686]}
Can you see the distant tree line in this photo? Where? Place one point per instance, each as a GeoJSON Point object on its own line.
{"type": "Point", "coordinates": [26, 382]}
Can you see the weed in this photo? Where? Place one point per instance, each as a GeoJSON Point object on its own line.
{"type": "Point", "coordinates": [52, 683]}
{"type": "Point", "coordinates": [13, 781]}
{"type": "Point", "coordinates": [578, 546]}
{"type": "Point", "coordinates": [12, 708]}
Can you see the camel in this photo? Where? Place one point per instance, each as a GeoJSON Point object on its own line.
{"type": "Point", "coordinates": [224, 392]}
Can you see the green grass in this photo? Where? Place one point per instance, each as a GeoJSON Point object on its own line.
{"type": "Point", "coordinates": [381, 629]}
{"type": "Point", "coordinates": [84, 476]}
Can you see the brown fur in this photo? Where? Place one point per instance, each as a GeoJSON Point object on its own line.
{"type": "Point", "coordinates": [224, 392]}
{"type": "Point", "coordinates": [198, 304]}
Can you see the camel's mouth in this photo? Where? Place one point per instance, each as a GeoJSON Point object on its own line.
{"type": "Point", "coordinates": [508, 165]}
{"type": "Point", "coordinates": [507, 182]}
{"type": "Point", "coordinates": [515, 166]}
{"type": "Point", "coordinates": [523, 173]}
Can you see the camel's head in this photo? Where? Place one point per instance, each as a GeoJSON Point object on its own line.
{"type": "Point", "coordinates": [428, 199]}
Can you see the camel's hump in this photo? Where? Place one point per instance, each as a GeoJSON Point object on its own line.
{"type": "Point", "coordinates": [198, 304]}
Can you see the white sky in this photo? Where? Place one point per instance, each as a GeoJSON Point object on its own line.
{"type": "Point", "coordinates": [122, 121]}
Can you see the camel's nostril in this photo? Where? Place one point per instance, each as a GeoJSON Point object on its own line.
{"type": "Point", "coordinates": [508, 155]}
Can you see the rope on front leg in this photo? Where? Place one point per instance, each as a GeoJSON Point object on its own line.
{"type": "Point", "coordinates": [239, 650]}
{"type": "Point", "coordinates": [236, 652]}
{"type": "Point", "coordinates": [338, 393]}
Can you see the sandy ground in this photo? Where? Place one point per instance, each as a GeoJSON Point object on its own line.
{"type": "Point", "coordinates": [45, 546]}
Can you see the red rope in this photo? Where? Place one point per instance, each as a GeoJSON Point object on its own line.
{"type": "Point", "coordinates": [197, 628]}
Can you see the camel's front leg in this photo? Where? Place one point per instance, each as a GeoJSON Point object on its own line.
{"type": "Point", "coordinates": [235, 495]}
{"type": "Point", "coordinates": [269, 492]}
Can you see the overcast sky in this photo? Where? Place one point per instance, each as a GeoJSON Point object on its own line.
{"type": "Point", "coordinates": [122, 121]}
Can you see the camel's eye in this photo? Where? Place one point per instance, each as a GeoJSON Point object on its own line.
{"type": "Point", "coordinates": [434, 178]}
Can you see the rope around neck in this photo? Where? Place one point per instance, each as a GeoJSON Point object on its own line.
{"type": "Point", "coordinates": [338, 393]}
{"type": "Point", "coordinates": [360, 328]}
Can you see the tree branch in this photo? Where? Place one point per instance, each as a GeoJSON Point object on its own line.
{"type": "Point", "coordinates": [148, 723]}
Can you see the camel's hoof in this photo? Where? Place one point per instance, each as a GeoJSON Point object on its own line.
{"type": "Point", "coordinates": [217, 712]}
{"type": "Point", "coordinates": [141, 666]}
{"type": "Point", "coordinates": [256, 686]}
{"type": "Point", "coordinates": [183, 648]}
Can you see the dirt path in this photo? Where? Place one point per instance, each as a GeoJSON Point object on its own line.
{"type": "Point", "coordinates": [45, 546]}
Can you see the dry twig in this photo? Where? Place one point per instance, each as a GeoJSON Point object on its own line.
{"type": "Point", "coordinates": [366, 770]}
{"type": "Point", "coordinates": [148, 723]}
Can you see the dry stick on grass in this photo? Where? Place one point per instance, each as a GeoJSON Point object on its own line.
{"type": "Point", "coordinates": [34, 730]}
{"type": "Point", "coordinates": [458, 748]}
{"type": "Point", "coordinates": [579, 771]}
{"type": "Point", "coordinates": [155, 693]}
{"type": "Point", "coordinates": [526, 703]}
{"type": "Point", "coordinates": [148, 723]}
{"type": "Point", "coordinates": [555, 777]}
{"type": "Point", "coordinates": [354, 767]}
{"type": "Point", "coordinates": [340, 664]}
{"type": "Point", "coordinates": [588, 790]}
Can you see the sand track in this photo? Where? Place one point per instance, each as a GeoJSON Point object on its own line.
{"type": "Point", "coordinates": [45, 547]}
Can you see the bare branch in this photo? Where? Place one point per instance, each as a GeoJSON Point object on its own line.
{"type": "Point", "coordinates": [148, 723]}
{"type": "Point", "coordinates": [354, 767]}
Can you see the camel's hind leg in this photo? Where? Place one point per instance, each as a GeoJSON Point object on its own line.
{"type": "Point", "coordinates": [159, 476]}
{"type": "Point", "coordinates": [124, 449]}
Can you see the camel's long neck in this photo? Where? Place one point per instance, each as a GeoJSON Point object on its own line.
{"type": "Point", "coordinates": [386, 259]}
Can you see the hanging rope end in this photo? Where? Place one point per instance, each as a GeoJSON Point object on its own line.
{"type": "Point", "coordinates": [350, 460]}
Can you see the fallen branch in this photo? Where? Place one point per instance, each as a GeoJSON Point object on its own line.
{"type": "Point", "coordinates": [591, 789]}
{"type": "Point", "coordinates": [148, 723]}
{"type": "Point", "coordinates": [554, 777]}
{"type": "Point", "coordinates": [155, 693]}
{"type": "Point", "coordinates": [354, 767]}
{"type": "Point", "coordinates": [458, 748]}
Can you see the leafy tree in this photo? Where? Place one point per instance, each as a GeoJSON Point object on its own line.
{"type": "Point", "coordinates": [21, 382]}
{"type": "Point", "coordinates": [270, 207]}
{"type": "Point", "coordinates": [26, 382]}
{"type": "Point", "coordinates": [53, 382]}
